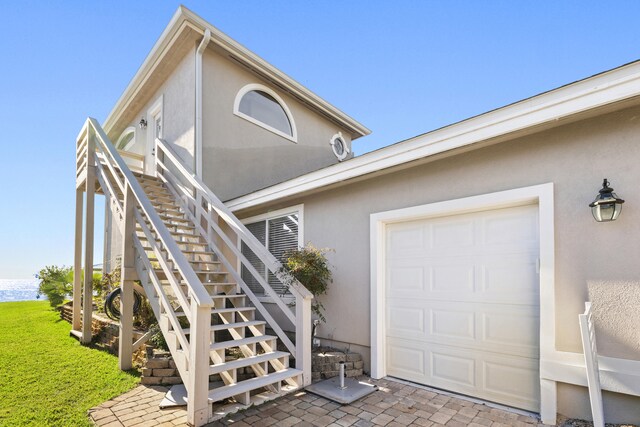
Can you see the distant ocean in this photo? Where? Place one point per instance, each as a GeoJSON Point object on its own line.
{"type": "Point", "coordinates": [19, 290]}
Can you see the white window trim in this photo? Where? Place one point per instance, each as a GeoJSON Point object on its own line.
{"type": "Point", "coordinates": [345, 152]}
{"type": "Point", "coordinates": [542, 195]}
{"type": "Point", "coordinates": [127, 131]}
{"type": "Point", "coordinates": [255, 86]}
{"type": "Point", "coordinates": [296, 209]}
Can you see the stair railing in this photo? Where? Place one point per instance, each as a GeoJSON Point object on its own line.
{"type": "Point", "coordinates": [196, 305]}
{"type": "Point", "coordinates": [211, 217]}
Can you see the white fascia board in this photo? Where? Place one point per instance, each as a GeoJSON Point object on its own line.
{"type": "Point", "coordinates": [185, 18]}
{"type": "Point", "coordinates": [603, 89]}
{"type": "Point", "coordinates": [141, 75]}
{"type": "Point", "coordinates": [261, 66]}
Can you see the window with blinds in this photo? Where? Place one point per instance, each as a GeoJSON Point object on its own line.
{"type": "Point", "coordinates": [278, 234]}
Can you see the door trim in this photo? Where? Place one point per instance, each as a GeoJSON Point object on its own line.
{"type": "Point", "coordinates": [542, 195]}
{"type": "Point", "coordinates": [156, 108]}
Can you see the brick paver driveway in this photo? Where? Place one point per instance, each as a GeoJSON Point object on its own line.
{"type": "Point", "coordinates": [394, 404]}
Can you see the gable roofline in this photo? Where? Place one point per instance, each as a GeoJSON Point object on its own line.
{"type": "Point", "coordinates": [183, 19]}
{"type": "Point", "coordinates": [608, 91]}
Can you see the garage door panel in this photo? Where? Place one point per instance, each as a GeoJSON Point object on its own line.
{"type": "Point", "coordinates": [454, 324]}
{"type": "Point", "coordinates": [486, 375]}
{"type": "Point", "coordinates": [406, 361]}
{"type": "Point", "coordinates": [515, 275]}
{"type": "Point", "coordinates": [452, 234]}
{"type": "Point", "coordinates": [448, 367]}
{"type": "Point", "coordinates": [406, 321]}
{"type": "Point", "coordinates": [515, 226]}
{"type": "Point", "coordinates": [514, 329]}
{"type": "Point", "coordinates": [452, 278]}
{"type": "Point", "coordinates": [407, 239]}
{"type": "Point", "coordinates": [409, 280]}
{"type": "Point", "coordinates": [512, 379]}
{"type": "Point", "coordinates": [462, 297]}
{"type": "Point", "coordinates": [509, 279]}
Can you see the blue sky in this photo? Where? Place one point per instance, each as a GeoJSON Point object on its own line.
{"type": "Point", "coordinates": [400, 67]}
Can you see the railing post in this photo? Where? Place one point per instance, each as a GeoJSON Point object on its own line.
{"type": "Point", "coordinates": [128, 274]}
{"type": "Point", "coordinates": [77, 264]}
{"type": "Point", "coordinates": [303, 338]}
{"type": "Point", "coordinates": [198, 391]}
{"type": "Point", "coordinates": [90, 182]}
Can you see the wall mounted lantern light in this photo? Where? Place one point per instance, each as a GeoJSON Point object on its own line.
{"type": "Point", "coordinates": [607, 206]}
{"type": "Point", "coordinates": [143, 123]}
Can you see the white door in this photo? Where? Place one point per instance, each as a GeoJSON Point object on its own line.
{"type": "Point", "coordinates": [462, 304]}
{"type": "Point", "coordinates": [154, 130]}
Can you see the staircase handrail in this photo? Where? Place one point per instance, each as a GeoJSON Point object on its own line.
{"type": "Point", "coordinates": [238, 227]}
{"type": "Point", "coordinates": [197, 289]}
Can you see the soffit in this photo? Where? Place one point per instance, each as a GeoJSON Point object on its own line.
{"type": "Point", "coordinates": [185, 29]}
{"type": "Point", "coordinates": [183, 42]}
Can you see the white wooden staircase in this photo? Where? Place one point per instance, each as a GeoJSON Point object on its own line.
{"type": "Point", "coordinates": [181, 243]}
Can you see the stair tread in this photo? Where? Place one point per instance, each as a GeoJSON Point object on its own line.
{"type": "Point", "coordinates": [173, 218]}
{"type": "Point", "coordinates": [225, 326]}
{"type": "Point", "coordinates": [154, 259]}
{"type": "Point", "coordinates": [224, 296]}
{"type": "Point", "coordinates": [177, 242]}
{"type": "Point", "coordinates": [194, 270]}
{"type": "Point", "coordinates": [246, 361]}
{"type": "Point", "coordinates": [199, 252]}
{"type": "Point", "coordinates": [222, 310]}
{"type": "Point", "coordinates": [138, 227]}
{"type": "Point", "coordinates": [166, 282]}
{"type": "Point", "coordinates": [251, 384]}
{"type": "Point", "coordinates": [244, 341]}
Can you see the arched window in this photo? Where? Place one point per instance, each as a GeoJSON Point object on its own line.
{"type": "Point", "coordinates": [263, 107]}
{"type": "Point", "coordinates": [127, 138]}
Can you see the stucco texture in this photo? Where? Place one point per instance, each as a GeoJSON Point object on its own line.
{"type": "Point", "coordinates": [239, 156]}
{"type": "Point", "coordinates": [616, 312]}
{"type": "Point", "coordinates": [574, 157]}
{"type": "Point", "coordinates": [178, 104]}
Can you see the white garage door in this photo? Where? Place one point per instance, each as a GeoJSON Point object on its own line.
{"type": "Point", "coordinates": [462, 297]}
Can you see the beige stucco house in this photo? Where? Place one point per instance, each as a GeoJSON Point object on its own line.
{"type": "Point", "coordinates": [462, 257]}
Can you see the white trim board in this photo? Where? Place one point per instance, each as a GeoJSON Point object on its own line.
{"type": "Point", "coordinates": [157, 108]}
{"type": "Point", "coordinates": [617, 375]}
{"type": "Point", "coordinates": [262, 88]}
{"type": "Point", "coordinates": [542, 195]}
{"type": "Point", "coordinates": [528, 115]}
{"type": "Point", "coordinates": [299, 209]}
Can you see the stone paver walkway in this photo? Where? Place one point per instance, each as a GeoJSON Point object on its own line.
{"type": "Point", "coordinates": [394, 404]}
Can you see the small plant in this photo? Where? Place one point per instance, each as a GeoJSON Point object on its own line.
{"type": "Point", "coordinates": [310, 267]}
{"type": "Point", "coordinates": [55, 283]}
{"type": "Point", "coordinates": [108, 283]}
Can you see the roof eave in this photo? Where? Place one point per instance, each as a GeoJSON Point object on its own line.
{"type": "Point", "coordinates": [612, 89]}
{"type": "Point", "coordinates": [184, 17]}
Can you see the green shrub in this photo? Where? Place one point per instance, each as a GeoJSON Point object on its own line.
{"type": "Point", "coordinates": [55, 283]}
{"type": "Point", "coordinates": [310, 267]}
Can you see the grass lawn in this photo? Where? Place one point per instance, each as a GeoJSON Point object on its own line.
{"type": "Point", "coordinates": [46, 377]}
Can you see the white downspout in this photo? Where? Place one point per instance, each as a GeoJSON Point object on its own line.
{"type": "Point", "coordinates": [198, 124]}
